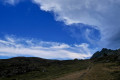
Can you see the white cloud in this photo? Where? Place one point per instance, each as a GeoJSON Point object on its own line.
{"type": "Point", "coordinates": [100, 14]}
{"type": "Point", "coordinates": [51, 50]}
{"type": "Point", "coordinates": [103, 14]}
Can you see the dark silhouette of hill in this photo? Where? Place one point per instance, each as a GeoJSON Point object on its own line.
{"type": "Point", "coordinates": [38, 67]}
{"type": "Point", "coordinates": [33, 68]}
{"type": "Point", "coordinates": [107, 54]}
{"type": "Point", "coordinates": [20, 65]}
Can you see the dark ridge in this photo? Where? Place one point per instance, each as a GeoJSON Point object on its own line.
{"type": "Point", "coordinates": [22, 65]}
{"type": "Point", "coordinates": [105, 53]}
{"type": "Point", "coordinates": [40, 68]}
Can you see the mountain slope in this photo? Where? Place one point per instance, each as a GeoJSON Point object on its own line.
{"type": "Point", "coordinates": [100, 71]}
{"type": "Point", "coordinates": [103, 65]}
{"type": "Point", "coordinates": [106, 52]}
{"type": "Point", "coordinates": [37, 68]}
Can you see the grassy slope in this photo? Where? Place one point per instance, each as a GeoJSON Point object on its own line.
{"type": "Point", "coordinates": [43, 71]}
{"type": "Point", "coordinates": [100, 69]}
{"type": "Point", "coordinates": [103, 71]}
{"type": "Point", "coordinates": [97, 71]}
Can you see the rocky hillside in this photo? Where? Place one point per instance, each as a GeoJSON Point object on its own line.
{"type": "Point", "coordinates": [105, 53]}
{"type": "Point", "coordinates": [30, 68]}
{"type": "Point", "coordinates": [103, 63]}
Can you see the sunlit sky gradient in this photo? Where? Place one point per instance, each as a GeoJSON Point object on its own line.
{"type": "Point", "coordinates": [58, 29]}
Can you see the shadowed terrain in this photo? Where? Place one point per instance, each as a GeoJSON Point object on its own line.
{"type": "Point", "coordinates": [103, 65]}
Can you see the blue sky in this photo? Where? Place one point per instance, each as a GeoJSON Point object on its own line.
{"type": "Point", "coordinates": [58, 29]}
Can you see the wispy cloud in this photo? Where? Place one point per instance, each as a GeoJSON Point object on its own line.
{"type": "Point", "coordinates": [103, 14]}
{"type": "Point", "coordinates": [12, 46]}
{"type": "Point", "coordinates": [12, 2]}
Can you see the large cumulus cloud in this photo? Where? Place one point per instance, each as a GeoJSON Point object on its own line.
{"type": "Point", "coordinates": [99, 14]}
{"type": "Point", "coordinates": [102, 15]}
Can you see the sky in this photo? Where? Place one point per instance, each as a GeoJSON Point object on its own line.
{"type": "Point", "coordinates": [58, 29]}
